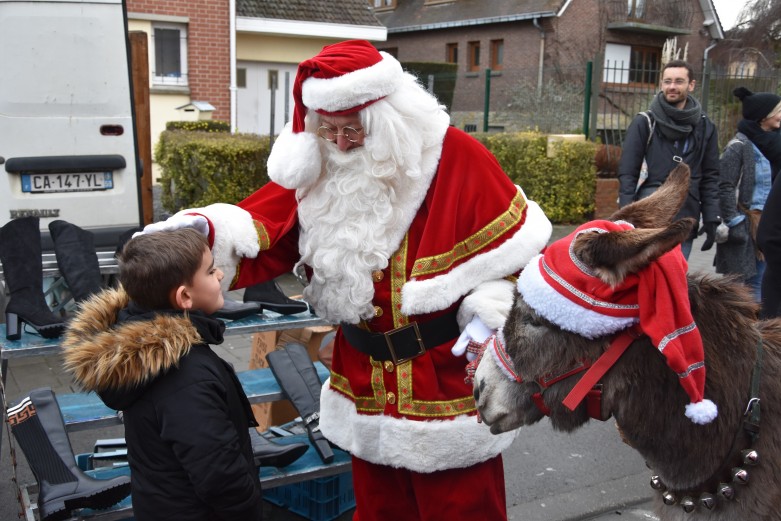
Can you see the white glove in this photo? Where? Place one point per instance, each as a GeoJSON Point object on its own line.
{"type": "Point", "coordinates": [177, 221]}
{"type": "Point", "coordinates": [475, 331]}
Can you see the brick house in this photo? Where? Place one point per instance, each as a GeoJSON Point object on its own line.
{"type": "Point", "coordinates": [211, 59]}
{"type": "Point", "coordinates": [527, 44]}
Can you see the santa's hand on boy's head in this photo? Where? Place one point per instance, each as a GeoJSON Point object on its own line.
{"type": "Point", "coordinates": [177, 221]}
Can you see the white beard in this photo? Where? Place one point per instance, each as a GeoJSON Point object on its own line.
{"type": "Point", "coordinates": [350, 226]}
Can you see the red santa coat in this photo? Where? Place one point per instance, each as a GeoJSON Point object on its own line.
{"type": "Point", "coordinates": [474, 227]}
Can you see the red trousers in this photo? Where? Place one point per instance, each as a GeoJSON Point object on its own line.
{"type": "Point", "coordinates": [389, 494]}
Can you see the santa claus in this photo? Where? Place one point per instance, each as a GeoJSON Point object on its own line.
{"type": "Point", "coordinates": [410, 235]}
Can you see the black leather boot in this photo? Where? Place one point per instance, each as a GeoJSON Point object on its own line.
{"type": "Point", "coordinates": [271, 454]}
{"type": "Point", "coordinates": [39, 430]}
{"type": "Point", "coordinates": [300, 383]}
{"type": "Point", "coordinates": [233, 310]}
{"type": "Point", "coordinates": [20, 253]}
{"type": "Point", "coordinates": [271, 297]}
{"type": "Point", "coordinates": [77, 259]}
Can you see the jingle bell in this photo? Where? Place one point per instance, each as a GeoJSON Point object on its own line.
{"type": "Point", "coordinates": [668, 498]}
{"type": "Point", "coordinates": [726, 491]}
{"type": "Point", "coordinates": [687, 504]}
{"type": "Point", "coordinates": [750, 457]}
{"type": "Point", "coordinates": [656, 483]}
{"type": "Point", "coordinates": [739, 476]}
{"type": "Point", "coordinates": [707, 501]}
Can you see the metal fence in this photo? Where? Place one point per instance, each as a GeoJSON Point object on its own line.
{"type": "Point", "coordinates": [563, 101]}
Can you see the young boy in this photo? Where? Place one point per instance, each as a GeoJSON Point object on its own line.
{"type": "Point", "coordinates": [144, 349]}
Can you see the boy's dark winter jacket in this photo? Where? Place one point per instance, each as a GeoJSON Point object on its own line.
{"type": "Point", "coordinates": [186, 416]}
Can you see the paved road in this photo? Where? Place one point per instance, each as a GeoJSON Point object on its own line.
{"type": "Point", "coordinates": [550, 476]}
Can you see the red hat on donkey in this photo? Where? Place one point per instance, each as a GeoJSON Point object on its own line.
{"type": "Point", "coordinates": [561, 288]}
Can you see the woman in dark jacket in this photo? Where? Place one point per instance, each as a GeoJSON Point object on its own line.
{"type": "Point", "coordinates": [186, 416]}
{"type": "Point", "coordinates": [744, 184]}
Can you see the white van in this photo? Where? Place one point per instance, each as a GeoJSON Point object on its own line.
{"type": "Point", "coordinates": [67, 129]}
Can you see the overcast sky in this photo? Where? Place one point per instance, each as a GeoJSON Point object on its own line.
{"type": "Point", "coordinates": [728, 12]}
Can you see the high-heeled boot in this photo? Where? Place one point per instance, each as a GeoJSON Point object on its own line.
{"type": "Point", "coordinates": [39, 429]}
{"type": "Point", "coordinates": [76, 259]}
{"type": "Point", "coordinates": [20, 253]}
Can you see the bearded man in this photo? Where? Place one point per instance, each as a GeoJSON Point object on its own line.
{"type": "Point", "coordinates": [402, 224]}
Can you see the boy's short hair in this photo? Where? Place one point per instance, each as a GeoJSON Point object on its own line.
{"type": "Point", "coordinates": [154, 264]}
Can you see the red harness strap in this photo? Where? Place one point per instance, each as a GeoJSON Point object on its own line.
{"type": "Point", "coordinates": [601, 366]}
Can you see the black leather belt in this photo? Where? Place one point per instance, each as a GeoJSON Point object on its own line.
{"type": "Point", "coordinates": [405, 342]}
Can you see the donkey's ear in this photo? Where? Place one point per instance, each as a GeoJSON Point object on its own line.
{"type": "Point", "coordinates": [658, 209]}
{"type": "Point", "coordinates": [614, 255]}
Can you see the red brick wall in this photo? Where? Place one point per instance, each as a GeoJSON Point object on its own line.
{"type": "Point", "coordinates": [208, 46]}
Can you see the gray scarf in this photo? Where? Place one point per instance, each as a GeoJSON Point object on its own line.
{"type": "Point", "coordinates": [675, 123]}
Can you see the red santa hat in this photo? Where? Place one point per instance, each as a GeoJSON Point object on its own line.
{"type": "Point", "coordinates": [561, 288]}
{"type": "Point", "coordinates": [343, 79]}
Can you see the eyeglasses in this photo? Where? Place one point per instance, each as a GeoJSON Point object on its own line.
{"type": "Point", "coordinates": [680, 82]}
{"type": "Point", "coordinates": [351, 134]}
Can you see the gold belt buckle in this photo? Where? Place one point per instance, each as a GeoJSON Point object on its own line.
{"type": "Point", "coordinates": [392, 349]}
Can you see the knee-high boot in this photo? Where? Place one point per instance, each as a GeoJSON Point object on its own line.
{"type": "Point", "coordinates": [76, 258]}
{"type": "Point", "coordinates": [39, 430]}
{"type": "Point", "coordinates": [20, 253]}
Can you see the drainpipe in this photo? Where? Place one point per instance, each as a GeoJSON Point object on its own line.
{"type": "Point", "coordinates": [542, 54]}
{"type": "Point", "coordinates": [232, 23]}
{"type": "Point", "coordinates": [706, 76]}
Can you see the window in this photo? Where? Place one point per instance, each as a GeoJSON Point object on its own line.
{"type": "Point", "coordinates": [241, 78]}
{"type": "Point", "coordinates": [474, 57]}
{"type": "Point", "coordinates": [383, 4]}
{"type": "Point", "coordinates": [169, 42]}
{"type": "Point", "coordinates": [631, 64]}
{"type": "Point", "coordinates": [644, 65]}
{"type": "Point", "coordinates": [635, 8]}
{"type": "Point", "coordinates": [451, 53]}
{"type": "Point", "coordinates": [497, 54]}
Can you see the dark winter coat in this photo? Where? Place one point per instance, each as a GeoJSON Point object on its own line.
{"type": "Point", "coordinates": [702, 157]}
{"type": "Point", "coordinates": [737, 167]}
{"type": "Point", "coordinates": [186, 416]}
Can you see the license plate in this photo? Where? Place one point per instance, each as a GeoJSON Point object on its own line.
{"type": "Point", "coordinates": [78, 182]}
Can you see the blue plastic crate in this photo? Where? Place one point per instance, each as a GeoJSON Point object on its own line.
{"type": "Point", "coordinates": [319, 499]}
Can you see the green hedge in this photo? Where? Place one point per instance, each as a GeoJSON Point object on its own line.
{"type": "Point", "coordinates": [207, 125]}
{"type": "Point", "coordinates": [201, 168]}
{"type": "Point", "coordinates": [563, 185]}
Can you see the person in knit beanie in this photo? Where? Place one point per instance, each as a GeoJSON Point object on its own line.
{"type": "Point", "coordinates": [745, 179]}
{"type": "Point", "coordinates": [408, 231]}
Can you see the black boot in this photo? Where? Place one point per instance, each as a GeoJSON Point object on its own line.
{"type": "Point", "coordinates": [298, 378]}
{"type": "Point", "coordinates": [77, 259]}
{"type": "Point", "coordinates": [20, 253]}
{"type": "Point", "coordinates": [39, 430]}
{"type": "Point", "coordinates": [233, 310]}
{"type": "Point", "coordinates": [271, 454]}
{"type": "Point", "coordinates": [271, 297]}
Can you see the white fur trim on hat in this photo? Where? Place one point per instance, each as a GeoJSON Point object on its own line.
{"type": "Point", "coordinates": [426, 296]}
{"type": "Point", "coordinates": [557, 308]}
{"type": "Point", "coordinates": [420, 446]}
{"type": "Point", "coordinates": [294, 161]}
{"type": "Point", "coordinates": [354, 88]}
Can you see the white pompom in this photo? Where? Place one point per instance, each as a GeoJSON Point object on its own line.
{"type": "Point", "coordinates": [702, 412]}
{"type": "Point", "coordinates": [295, 160]}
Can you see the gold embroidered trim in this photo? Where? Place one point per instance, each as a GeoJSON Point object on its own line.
{"type": "Point", "coordinates": [410, 407]}
{"type": "Point", "coordinates": [398, 273]}
{"type": "Point", "coordinates": [374, 403]}
{"type": "Point", "coordinates": [476, 242]}
{"type": "Point", "coordinates": [264, 241]}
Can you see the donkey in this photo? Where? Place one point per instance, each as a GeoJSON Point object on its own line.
{"type": "Point", "coordinates": [726, 468]}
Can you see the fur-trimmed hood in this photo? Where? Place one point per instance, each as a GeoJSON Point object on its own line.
{"type": "Point", "coordinates": [119, 358]}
